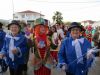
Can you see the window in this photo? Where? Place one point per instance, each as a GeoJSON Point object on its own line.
{"type": "Point", "coordinates": [23, 16]}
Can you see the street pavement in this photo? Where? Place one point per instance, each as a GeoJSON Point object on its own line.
{"type": "Point", "coordinates": [95, 70]}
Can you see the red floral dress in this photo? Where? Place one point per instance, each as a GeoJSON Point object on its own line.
{"type": "Point", "coordinates": [42, 53]}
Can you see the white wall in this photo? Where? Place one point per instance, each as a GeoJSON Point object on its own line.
{"type": "Point", "coordinates": [27, 16]}
{"type": "Point", "coordinates": [96, 24]}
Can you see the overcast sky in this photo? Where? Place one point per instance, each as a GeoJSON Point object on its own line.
{"type": "Point", "coordinates": [72, 10]}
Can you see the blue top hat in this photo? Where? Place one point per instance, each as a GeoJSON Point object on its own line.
{"type": "Point", "coordinates": [14, 22]}
{"type": "Point", "coordinates": [75, 25]}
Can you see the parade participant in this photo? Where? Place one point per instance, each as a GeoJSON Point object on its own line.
{"type": "Point", "coordinates": [93, 32]}
{"type": "Point", "coordinates": [83, 34]}
{"type": "Point", "coordinates": [2, 36]}
{"type": "Point", "coordinates": [3, 65]}
{"type": "Point", "coordinates": [14, 48]}
{"type": "Point", "coordinates": [60, 32]}
{"type": "Point", "coordinates": [54, 36]}
{"type": "Point", "coordinates": [54, 44]}
{"type": "Point", "coordinates": [89, 33]}
{"type": "Point", "coordinates": [71, 56]}
{"type": "Point", "coordinates": [65, 29]}
{"type": "Point", "coordinates": [41, 58]}
{"type": "Point", "coordinates": [28, 32]}
{"type": "Point", "coordinates": [96, 40]}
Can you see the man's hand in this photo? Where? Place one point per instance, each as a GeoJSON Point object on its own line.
{"type": "Point", "coordinates": [15, 51]}
{"type": "Point", "coordinates": [1, 56]}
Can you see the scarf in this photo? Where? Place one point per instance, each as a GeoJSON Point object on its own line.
{"type": "Point", "coordinates": [76, 44]}
{"type": "Point", "coordinates": [12, 46]}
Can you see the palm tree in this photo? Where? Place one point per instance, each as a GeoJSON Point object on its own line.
{"type": "Point", "coordinates": [57, 18]}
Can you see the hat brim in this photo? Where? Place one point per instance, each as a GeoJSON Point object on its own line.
{"type": "Point", "coordinates": [69, 29]}
{"type": "Point", "coordinates": [40, 25]}
{"type": "Point", "coordinates": [13, 24]}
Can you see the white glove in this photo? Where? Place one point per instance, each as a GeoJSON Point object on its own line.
{"type": "Point", "coordinates": [90, 54]}
{"type": "Point", "coordinates": [64, 67]}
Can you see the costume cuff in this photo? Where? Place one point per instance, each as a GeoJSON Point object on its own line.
{"type": "Point", "coordinates": [60, 65]}
{"type": "Point", "coordinates": [19, 52]}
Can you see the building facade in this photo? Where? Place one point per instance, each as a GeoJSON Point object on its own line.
{"type": "Point", "coordinates": [27, 16]}
{"type": "Point", "coordinates": [87, 23]}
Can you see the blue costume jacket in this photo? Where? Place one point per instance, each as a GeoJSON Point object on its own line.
{"type": "Point", "coordinates": [21, 44]}
{"type": "Point", "coordinates": [67, 55]}
{"type": "Point", "coordinates": [2, 37]}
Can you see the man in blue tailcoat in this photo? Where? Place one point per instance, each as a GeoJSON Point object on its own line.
{"type": "Point", "coordinates": [72, 56]}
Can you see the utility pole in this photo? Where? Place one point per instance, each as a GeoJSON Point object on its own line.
{"type": "Point", "coordinates": [13, 8]}
{"type": "Point", "coordinates": [40, 14]}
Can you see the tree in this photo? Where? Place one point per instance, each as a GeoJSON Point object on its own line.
{"type": "Point", "coordinates": [67, 23]}
{"type": "Point", "coordinates": [57, 18]}
{"type": "Point", "coordinates": [5, 22]}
